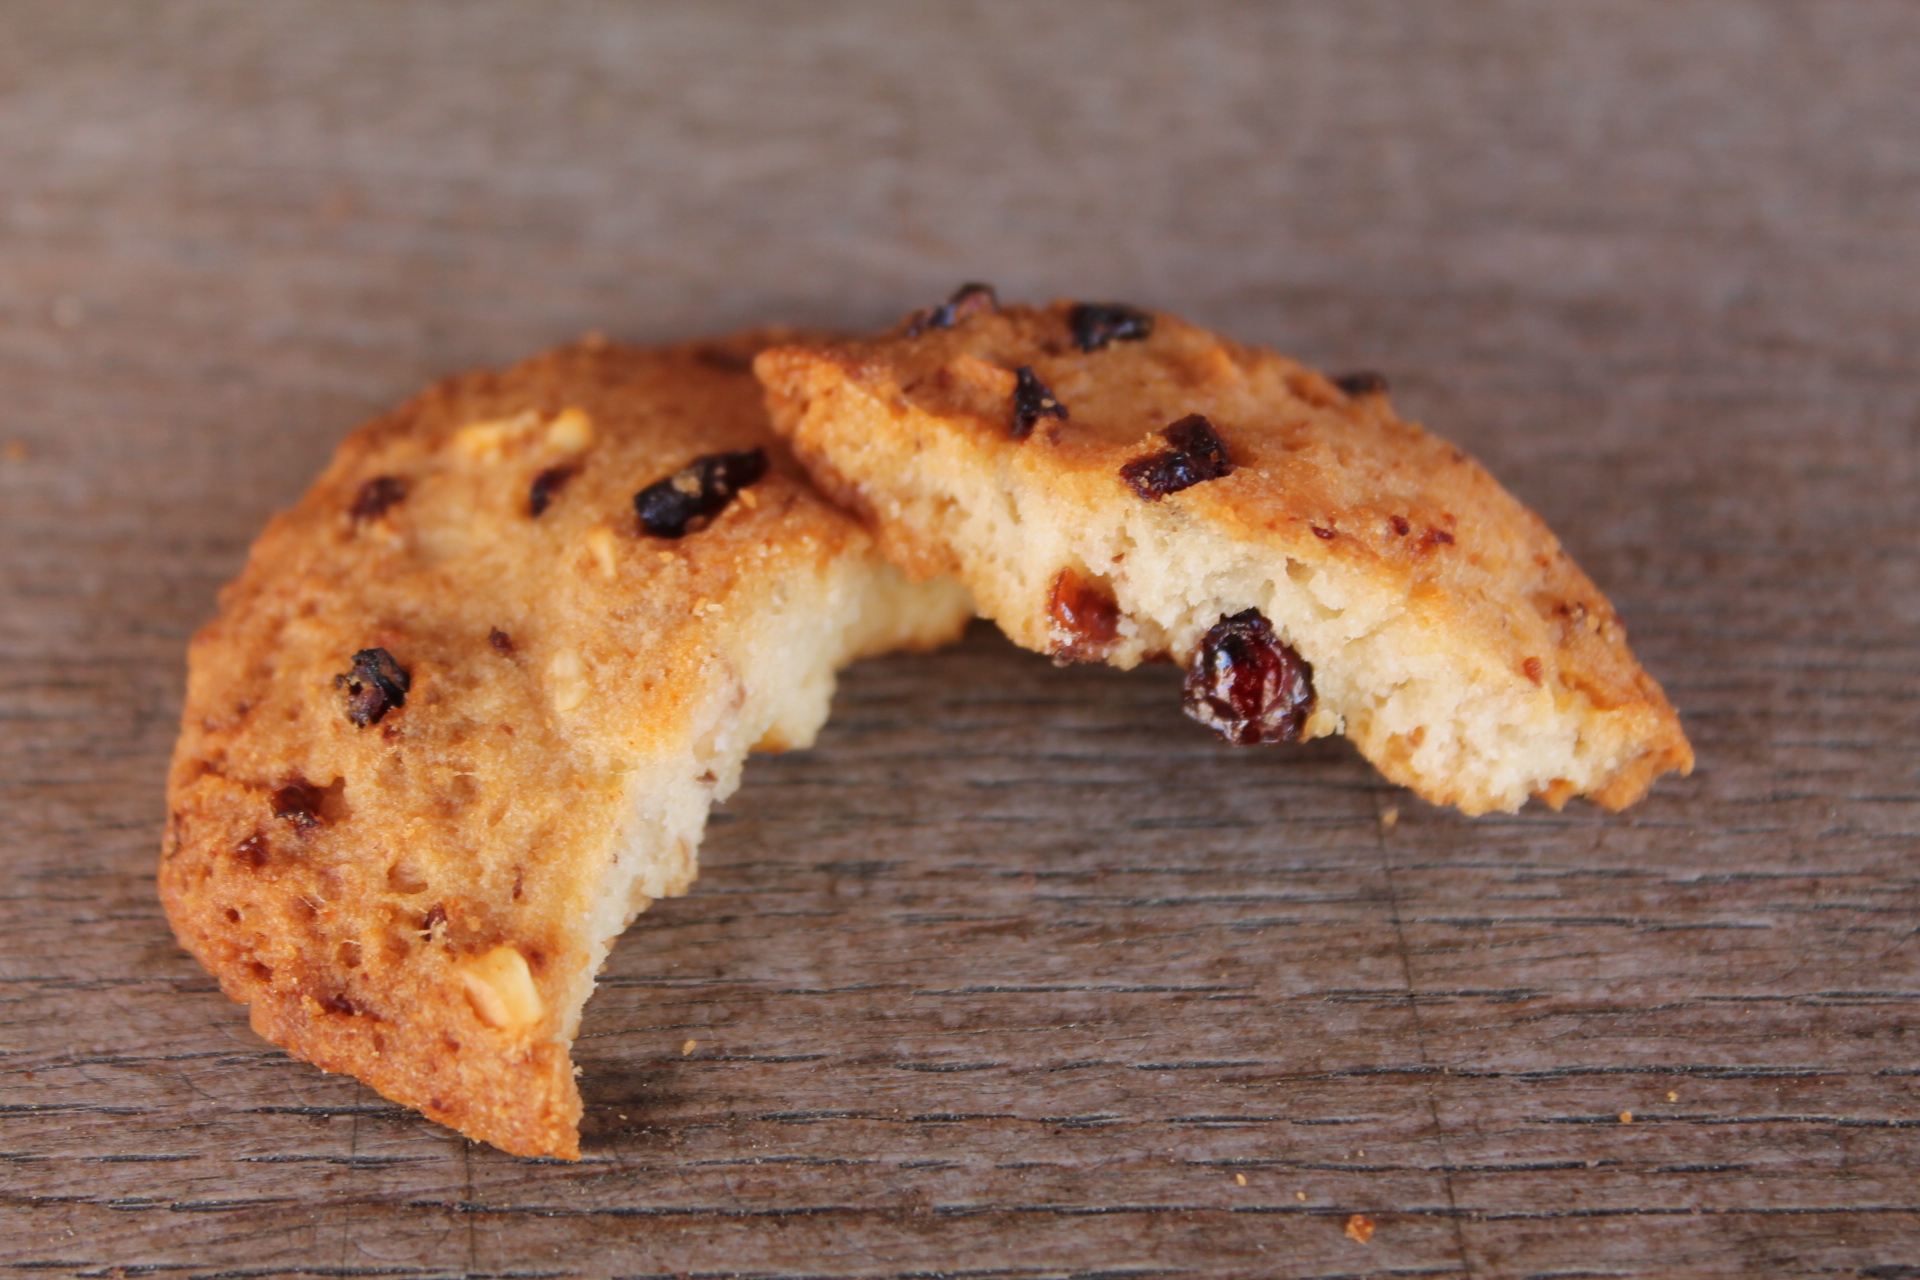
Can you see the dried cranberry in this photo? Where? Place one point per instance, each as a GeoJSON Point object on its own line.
{"type": "Point", "coordinates": [545, 486]}
{"type": "Point", "coordinates": [502, 642]}
{"type": "Point", "coordinates": [1032, 401]}
{"type": "Point", "coordinates": [253, 850]}
{"type": "Point", "coordinates": [1195, 454]}
{"type": "Point", "coordinates": [968, 300]}
{"type": "Point", "coordinates": [376, 685]}
{"type": "Point", "coordinates": [1400, 525]}
{"type": "Point", "coordinates": [1437, 536]}
{"type": "Point", "coordinates": [299, 803]}
{"type": "Point", "coordinates": [336, 1002]}
{"type": "Point", "coordinates": [1246, 685]}
{"type": "Point", "coordinates": [1322, 533]}
{"type": "Point", "coordinates": [1086, 613]}
{"type": "Point", "coordinates": [374, 496]}
{"type": "Point", "coordinates": [1364, 382]}
{"type": "Point", "coordinates": [697, 492]}
{"type": "Point", "coordinates": [1095, 324]}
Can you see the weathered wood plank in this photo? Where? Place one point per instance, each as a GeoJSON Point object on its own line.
{"type": "Point", "coordinates": [1019, 973]}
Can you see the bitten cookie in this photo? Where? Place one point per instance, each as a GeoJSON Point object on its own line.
{"type": "Point", "coordinates": [464, 712]}
{"type": "Point", "coordinates": [1116, 485]}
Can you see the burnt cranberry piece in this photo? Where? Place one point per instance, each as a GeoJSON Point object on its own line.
{"type": "Point", "coordinates": [1086, 613]}
{"type": "Point", "coordinates": [1032, 401]}
{"type": "Point", "coordinates": [1095, 324]}
{"type": "Point", "coordinates": [1364, 382]}
{"type": "Point", "coordinates": [374, 496]}
{"type": "Point", "coordinates": [545, 486]}
{"type": "Point", "coordinates": [376, 685]}
{"type": "Point", "coordinates": [697, 492]}
{"type": "Point", "coordinates": [968, 300]}
{"type": "Point", "coordinates": [299, 803]}
{"type": "Point", "coordinates": [1194, 454]}
{"type": "Point", "coordinates": [1247, 686]}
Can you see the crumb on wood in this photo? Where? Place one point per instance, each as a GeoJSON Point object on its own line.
{"type": "Point", "coordinates": [1360, 1228]}
{"type": "Point", "coordinates": [1239, 1179]}
{"type": "Point", "coordinates": [689, 1047]}
{"type": "Point", "coordinates": [1626, 1117]}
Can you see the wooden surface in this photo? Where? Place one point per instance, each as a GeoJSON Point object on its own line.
{"type": "Point", "coordinates": [1019, 973]}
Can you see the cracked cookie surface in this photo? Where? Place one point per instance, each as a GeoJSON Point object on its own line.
{"type": "Point", "coordinates": [1177, 480]}
{"type": "Point", "coordinates": [464, 712]}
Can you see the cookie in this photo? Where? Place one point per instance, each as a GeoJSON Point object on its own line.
{"type": "Point", "coordinates": [463, 713]}
{"type": "Point", "coordinates": [1116, 485]}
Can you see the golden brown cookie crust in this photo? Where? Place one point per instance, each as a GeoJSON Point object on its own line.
{"type": "Point", "coordinates": [420, 900]}
{"type": "Point", "coordinates": [1415, 582]}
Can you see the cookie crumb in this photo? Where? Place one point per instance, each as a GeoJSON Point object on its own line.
{"type": "Point", "coordinates": [1390, 817]}
{"type": "Point", "coordinates": [1240, 1179]}
{"type": "Point", "coordinates": [1301, 1196]}
{"type": "Point", "coordinates": [571, 430]}
{"type": "Point", "coordinates": [601, 546]}
{"type": "Point", "coordinates": [1672, 1096]}
{"type": "Point", "coordinates": [568, 675]}
{"type": "Point", "coordinates": [1626, 1117]}
{"type": "Point", "coordinates": [1360, 1228]}
{"type": "Point", "coordinates": [689, 1047]}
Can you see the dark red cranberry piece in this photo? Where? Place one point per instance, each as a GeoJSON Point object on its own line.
{"type": "Point", "coordinates": [1400, 525]}
{"type": "Point", "coordinates": [1032, 401]}
{"type": "Point", "coordinates": [1086, 613]}
{"type": "Point", "coordinates": [1095, 324]}
{"type": "Point", "coordinates": [502, 642]}
{"type": "Point", "coordinates": [299, 803]}
{"type": "Point", "coordinates": [697, 492]}
{"type": "Point", "coordinates": [546, 486]}
{"type": "Point", "coordinates": [1247, 686]}
{"type": "Point", "coordinates": [376, 685]}
{"type": "Point", "coordinates": [253, 851]}
{"type": "Point", "coordinates": [968, 300]}
{"type": "Point", "coordinates": [1195, 454]}
{"type": "Point", "coordinates": [1364, 382]}
{"type": "Point", "coordinates": [374, 496]}
{"type": "Point", "coordinates": [337, 1003]}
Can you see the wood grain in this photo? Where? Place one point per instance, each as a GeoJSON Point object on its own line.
{"type": "Point", "coordinates": [1019, 973]}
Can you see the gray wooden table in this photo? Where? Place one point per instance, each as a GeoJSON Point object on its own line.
{"type": "Point", "coordinates": [1019, 973]}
